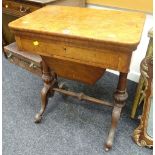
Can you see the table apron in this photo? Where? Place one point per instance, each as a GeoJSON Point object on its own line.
{"type": "Point", "coordinates": [103, 58]}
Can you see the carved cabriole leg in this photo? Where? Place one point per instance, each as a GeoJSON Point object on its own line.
{"type": "Point", "coordinates": [120, 97]}
{"type": "Point", "coordinates": [49, 81]}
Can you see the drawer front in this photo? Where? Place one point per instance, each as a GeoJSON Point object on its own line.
{"type": "Point", "coordinates": [99, 58]}
{"type": "Point", "coordinates": [22, 61]}
{"type": "Point", "coordinates": [17, 8]}
{"type": "Point", "coordinates": [74, 71]}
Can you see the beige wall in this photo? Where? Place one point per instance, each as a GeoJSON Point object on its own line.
{"type": "Point", "coordinates": [139, 5]}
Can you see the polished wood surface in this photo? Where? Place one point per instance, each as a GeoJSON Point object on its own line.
{"type": "Point", "coordinates": [75, 71]}
{"type": "Point", "coordinates": [67, 37]}
{"type": "Point", "coordinates": [88, 55]}
{"type": "Point", "coordinates": [84, 23]}
{"type": "Point", "coordinates": [79, 44]}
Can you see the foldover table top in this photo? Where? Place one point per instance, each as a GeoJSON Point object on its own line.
{"type": "Point", "coordinates": [105, 26]}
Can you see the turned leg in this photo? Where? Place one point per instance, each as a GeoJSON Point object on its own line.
{"type": "Point", "coordinates": [49, 82]}
{"type": "Point", "coordinates": [120, 97]}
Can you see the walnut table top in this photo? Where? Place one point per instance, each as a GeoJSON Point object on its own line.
{"type": "Point", "coordinates": [112, 27]}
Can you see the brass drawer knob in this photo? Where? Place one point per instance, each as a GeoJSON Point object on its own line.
{"type": "Point", "coordinates": [35, 43]}
{"type": "Point", "coordinates": [6, 6]}
{"type": "Point", "coordinates": [24, 10]}
{"type": "Point", "coordinates": [10, 57]}
{"type": "Point", "coordinates": [32, 65]}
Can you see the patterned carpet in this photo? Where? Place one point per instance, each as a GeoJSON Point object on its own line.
{"type": "Point", "coordinates": [69, 126]}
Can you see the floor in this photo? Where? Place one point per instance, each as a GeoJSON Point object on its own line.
{"type": "Point", "coordinates": [69, 126]}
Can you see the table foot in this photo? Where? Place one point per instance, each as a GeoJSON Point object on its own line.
{"type": "Point", "coordinates": [37, 118]}
{"type": "Point", "coordinates": [115, 118]}
{"type": "Point", "coordinates": [120, 97]}
{"type": "Point", "coordinates": [50, 80]}
{"type": "Point", "coordinates": [44, 98]}
{"type": "Point", "coordinates": [106, 148]}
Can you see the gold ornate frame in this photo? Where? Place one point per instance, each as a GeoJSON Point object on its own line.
{"type": "Point", "coordinates": [141, 85]}
{"type": "Point", "coordinates": [140, 134]}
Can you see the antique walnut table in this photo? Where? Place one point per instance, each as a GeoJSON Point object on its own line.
{"type": "Point", "coordinates": [79, 44]}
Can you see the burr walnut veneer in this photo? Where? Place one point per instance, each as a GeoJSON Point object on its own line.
{"type": "Point", "coordinates": [79, 44]}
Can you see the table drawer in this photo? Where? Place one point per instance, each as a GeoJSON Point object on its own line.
{"type": "Point", "coordinates": [17, 8]}
{"type": "Point", "coordinates": [70, 70]}
{"type": "Point", "coordinates": [27, 61]}
{"type": "Point", "coordinates": [94, 57]}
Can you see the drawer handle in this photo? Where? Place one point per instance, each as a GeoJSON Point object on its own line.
{"type": "Point", "coordinates": [6, 6]}
{"type": "Point", "coordinates": [32, 65]}
{"type": "Point", "coordinates": [35, 43]}
{"type": "Point", "coordinates": [24, 10]}
{"type": "Point", "coordinates": [10, 57]}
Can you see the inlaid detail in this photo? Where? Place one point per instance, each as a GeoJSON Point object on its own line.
{"type": "Point", "coordinates": [35, 43]}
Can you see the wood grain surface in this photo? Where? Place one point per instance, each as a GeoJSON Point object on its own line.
{"type": "Point", "coordinates": [113, 27]}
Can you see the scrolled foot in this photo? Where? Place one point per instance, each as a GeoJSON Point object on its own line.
{"type": "Point", "coordinates": [115, 117]}
{"type": "Point", "coordinates": [37, 118]}
{"type": "Point", "coordinates": [109, 142]}
{"type": "Point", "coordinates": [44, 97]}
{"type": "Point", "coordinates": [107, 148]}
